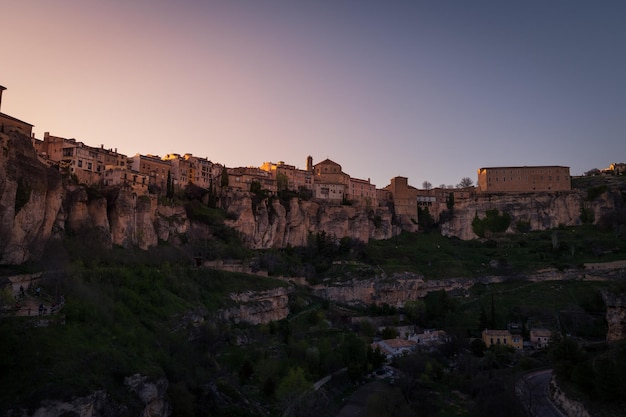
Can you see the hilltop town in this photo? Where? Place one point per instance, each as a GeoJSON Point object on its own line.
{"type": "Point", "coordinates": [326, 181]}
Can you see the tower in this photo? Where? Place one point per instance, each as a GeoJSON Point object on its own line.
{"type": "Point", "coordinates": [309, 163]}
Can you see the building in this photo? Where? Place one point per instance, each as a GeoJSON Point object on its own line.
{"type": "Point", "coordinates": [76, 158]}
{"type": "Point", "coordinates": [403, 196]}
{"type": "Point", "coordinates": [8, 123]}
{"type": "Point", "coordinates": [539, 338]}
{"type": "Point", "coordinates": [429, 337]}
{"type": "Point", "coordinates": [241, 178]}
{"type": "Point", "coordinates": [394, 347]}
{"type": "Point", "coordinates": [296, 179]}
{"type": "Point", "coordinates": [121, 177]}
{"type": "Point", "coordinates": [524, 179]}
{"type": "Point", "coordinates": [502, 337]}
{"type": "Point", "coordinates": [330, 182]}
{"type": "Point", "coordinates": [156, 169]}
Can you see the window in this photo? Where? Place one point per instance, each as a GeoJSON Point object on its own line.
{"type": "Point", "coordinates": [80, 163]}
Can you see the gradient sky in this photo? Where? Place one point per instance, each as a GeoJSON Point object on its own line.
{"type": "Point", "coordinates": [430, 90]}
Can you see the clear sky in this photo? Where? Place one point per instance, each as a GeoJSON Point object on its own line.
{"type": "Point", "coordinates": [429, 90]}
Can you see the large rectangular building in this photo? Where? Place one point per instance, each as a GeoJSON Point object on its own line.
{"type": "Point", "coordinates": [524, 179]}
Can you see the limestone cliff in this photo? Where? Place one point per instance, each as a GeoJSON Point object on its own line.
{"type": "Point", "coordinates": [30, 201]}
{"type": "Point", "coordinates": [146, 398]}
{"type": "Point", "coordinates": [615, 316]}
{"type": "Point", "coordinates": [36, 205]}
{"type": "Point", "coordinates": [541, 210]}
{"type": "Point", "coordinates": [270, 224]}
{"type": "Point", "coordinates": [258, 307]}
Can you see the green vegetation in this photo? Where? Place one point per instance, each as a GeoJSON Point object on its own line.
{"type": "Point", "coordinates": [129, 311]}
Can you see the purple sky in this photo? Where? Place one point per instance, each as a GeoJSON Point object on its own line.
{"type": "Point", "coordinates": [430, 90]}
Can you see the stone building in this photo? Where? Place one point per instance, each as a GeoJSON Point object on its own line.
{"type": "Point", "coordinates": [502, 337]}
{"type": "Point", "coordinates": [524, 179]}
{"type": "Point", "coordinates": [404, 198]}
{"type": "Point", "coordinates": [8, 123]}
{"type": "Point", "coordinates": [120, 176]}
{"type": "Point", "coordinates": [296, 178]}
{"type": "Point", "coordinates": [153, 167]}
{"type": "Point", "coordinates": [241, 178]}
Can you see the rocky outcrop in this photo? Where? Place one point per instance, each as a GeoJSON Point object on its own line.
{"type": "Point", "coordinates": [257, 307]}
{"type": "Point", "coordinates": [152, 394]}
{"type": "Point", "coordinates": [615, 316]}
{"type": "Point", "coordinates": [150, 400]}
{"type": "Point", "coordinates": [36, 205]}
{"type": "Point", "coordinates": [570, 407]}
{"type": "Point", "coordinates": [540, 210]}
{"type": "Point", "coordinates": [269, 224]}
{"type": "Point", "coordinates": [30, 200]}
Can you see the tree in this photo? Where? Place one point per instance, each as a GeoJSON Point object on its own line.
{"type": "Point", "coordinates": [426, 185]}
{"type": "Point", "coordinates": [450, 201]}
{"type": "Point", "coordinates": [465, 182]}
{"type": "Point", "coordinates": [282, 181]}
{"type": "Point", "coordinates": [224, 179]}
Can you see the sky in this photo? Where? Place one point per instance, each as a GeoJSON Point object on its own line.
{"type": "Point", "coordinates": [429, 90]}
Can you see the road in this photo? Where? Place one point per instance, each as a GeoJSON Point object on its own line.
{"type": "Point", "coordinates": [533, 391]}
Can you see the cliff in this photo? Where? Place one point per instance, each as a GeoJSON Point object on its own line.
{"type": "Point", "coordinates": [37, 205]}
{"type": "Point", "coordinates": [541, 210]}
{"type": "Point", "coordinates": [615, 316]}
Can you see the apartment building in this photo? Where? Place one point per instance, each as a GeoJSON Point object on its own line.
{"type": "Point", "coordinates": [296, 178]}
{"type": "Point", "coordinates": [155, 168]}
{"type": "Point", "coordinates": [524, 179]}
{"type": "Point", "coordinates": [117, 176]}
{"type": "Point", "coordinates": [241, 178]}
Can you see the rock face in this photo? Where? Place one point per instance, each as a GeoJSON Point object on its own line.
{"type": "Point", "coordinates": [259, 307]}
{"type": "Point", "coordinates": [36, 205]}
{"type": "Point", "coordinates": [571, 407]}
{"type": "Point", "coordinates": [270, 224]}
{"type": "Point", "coordinates": [31, 199]}
{"type": "Point", "coordinates": [615, 316]}
{"type": "Point", "coordinates": [150, 400]}
{"type": "Point", "coordinates": [541, 210]}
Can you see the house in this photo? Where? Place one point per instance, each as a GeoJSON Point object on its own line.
{"type": "Point", "coordinates": [241, 178]}
{"type": "Point", "coordinates": [502, 337]}
{"type": "Point", "coordinates": [524, 179]}
{"type": "Point", "coordinates": [296, 179]}
{"type": "Point", "coordinates": [394, 347]}
{"type": "Point", "coordinates": [156, 169]}
{"type": "Point", "coordinates": [429, 337]}
{"type": "Point", "coordinates": [539, 338]}
{"type": "Point", "coordinates": [8, 123]}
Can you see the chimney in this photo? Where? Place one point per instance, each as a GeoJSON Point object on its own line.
{"type": "Point", "coordinates": [1, 90]}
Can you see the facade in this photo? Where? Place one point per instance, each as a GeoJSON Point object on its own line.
{"type": "Point", "coordinates": [330, 182]}
{"type": "Point", "coordinates": [539, 338]}
{"type": "Point", "coordinates": [362, 190]}
{"type": "Point", "coordinates": [204, 173]}
{"type": "Point", "coordinates": [296, 178]}
{"type": "Point", "coordinates": [241, 178]}
{"type": "Point", "coordinates": [121, 177]}
{"type": "Point", "coordinates": [404, 198]}
{"type": "Point", "coordinates": [85, 162]}
{"type": "Point", "coordinates": [394, 347]}
{"type": "Point", "coordinates": [153, 167]}
{"type": "Point", "coordinates": [502, 337]}
{"type": "Point", "coordinates": [9, 123]}
{"type": "Point", "coordinates": [524, 179]}
{"type": "Point", "coordinates": [181, 170]}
